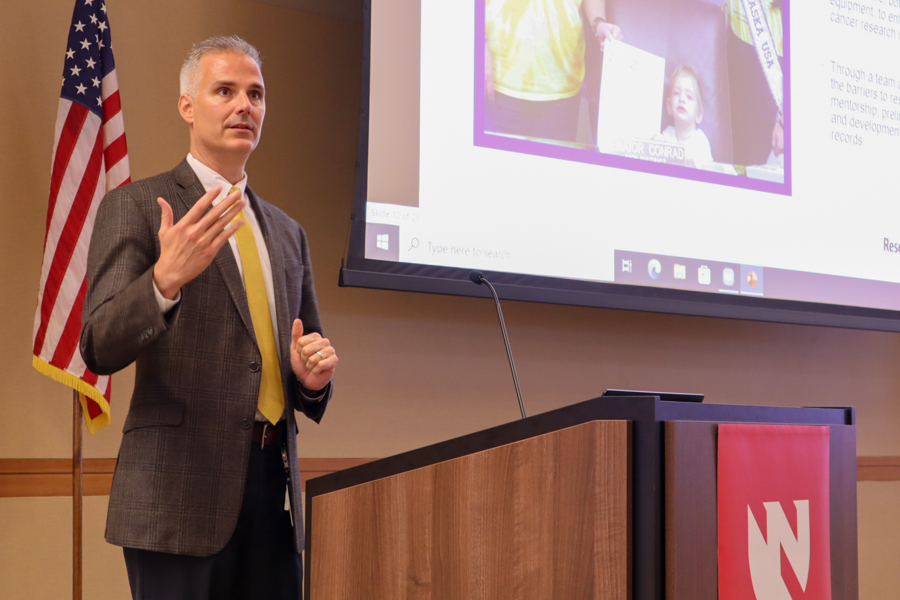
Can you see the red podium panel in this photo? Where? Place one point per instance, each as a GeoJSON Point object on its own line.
{"type": "Point", "coordinates": [773, 509]}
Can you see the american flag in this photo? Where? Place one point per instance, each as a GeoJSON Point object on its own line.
{"type": "Point", "coordinates": [89, 157]}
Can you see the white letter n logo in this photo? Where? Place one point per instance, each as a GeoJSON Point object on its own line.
{"type": "Point", "coordinates": [765, 554]}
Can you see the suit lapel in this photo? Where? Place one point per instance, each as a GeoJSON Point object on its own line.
{"type": "Point", "coordinates": [191, 191]}
{"type": "Point", "coordinates": [276, 259]}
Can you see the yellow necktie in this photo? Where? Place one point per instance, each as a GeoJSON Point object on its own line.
{"type": "Point", "coordinates": [271, 392]}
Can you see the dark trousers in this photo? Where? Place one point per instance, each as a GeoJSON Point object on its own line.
{"type": "Point", "coordinates": [259, 562]}
{"type": "Point", "coordinates": [553, 119]}
{"type": "Point", "coordinates": [753, 110]}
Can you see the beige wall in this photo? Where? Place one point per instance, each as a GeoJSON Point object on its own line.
{"type": "Point", "coordinates": [415, 369]}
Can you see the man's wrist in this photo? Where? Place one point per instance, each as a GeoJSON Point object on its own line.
{"type": "Point", "coordinates": [313, 395]}
{"type": "Point", "coordinates": [165, 304]}
{"type": "Point", "coordinates": [168, 290]}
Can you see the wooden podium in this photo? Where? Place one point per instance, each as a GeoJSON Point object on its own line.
{"type": "Point", "coordinates": [613, 498]}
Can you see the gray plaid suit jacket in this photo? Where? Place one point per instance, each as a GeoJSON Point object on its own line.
{"type": "Point", "coordinates": [180, 474]}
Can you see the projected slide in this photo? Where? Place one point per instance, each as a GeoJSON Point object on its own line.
{"type": "Point", "coordinates": [732, 147]}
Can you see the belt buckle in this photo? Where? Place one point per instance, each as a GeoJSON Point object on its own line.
{"type": "Point", "coordinates": [262, 441]}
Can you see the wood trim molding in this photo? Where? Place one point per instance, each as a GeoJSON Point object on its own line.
{"type": "Point", "coordinates": [878, 468]}
{"type": "Point", "coordinates": [316, 467]}
{"type": "Point", "coordinates": [30, 477]}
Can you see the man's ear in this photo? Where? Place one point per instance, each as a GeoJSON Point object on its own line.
{"type": "Point", "coordinates": [699, 115]}
{"type": "Point", "coordinates": [186, 108]}
{"type": "Point", "coordinates": [668, 103]}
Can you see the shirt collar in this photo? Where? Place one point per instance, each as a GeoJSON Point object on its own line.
{"type": "Point", "coordinates": [210, 179]}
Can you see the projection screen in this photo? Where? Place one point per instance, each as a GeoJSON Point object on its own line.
{"type": "Point", "coordinates": [730, 158]}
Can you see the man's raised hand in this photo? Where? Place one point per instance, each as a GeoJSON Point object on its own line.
{"type": "Point", "coordinates": [190, 245]}
{"type": "Point", "coordinates": [313, 359]}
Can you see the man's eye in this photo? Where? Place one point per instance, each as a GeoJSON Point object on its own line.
{"type": "Point", "coordinates": [223, 91]}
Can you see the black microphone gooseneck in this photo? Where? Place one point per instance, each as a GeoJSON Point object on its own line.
{"type": "Point", "coordinates": [478, 278]}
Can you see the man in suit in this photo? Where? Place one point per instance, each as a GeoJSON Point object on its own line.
{"type": "Point", "coordinates": [209, 290]}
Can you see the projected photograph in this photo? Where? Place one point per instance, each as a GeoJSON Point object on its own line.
{"type": "Point", "coordinates": [695, 89]}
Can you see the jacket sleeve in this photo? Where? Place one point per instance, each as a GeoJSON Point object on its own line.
{"type": "Point", "coordinates": [120, 317]}
{"type": "Point", "coordinates": [312, 404]}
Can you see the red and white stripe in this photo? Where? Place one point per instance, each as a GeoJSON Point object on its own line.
{"type": "Point", "coordinates": [89, 158]}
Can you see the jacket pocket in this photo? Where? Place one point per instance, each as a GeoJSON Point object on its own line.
{"type": "Point", "coordinates": [160, 414]}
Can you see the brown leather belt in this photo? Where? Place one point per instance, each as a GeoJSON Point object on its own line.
{"type": "Point", "coordinates": [265, 434]}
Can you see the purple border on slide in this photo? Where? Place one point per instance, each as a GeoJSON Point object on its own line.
{"type": "Point", "coordinates": [499, 142]}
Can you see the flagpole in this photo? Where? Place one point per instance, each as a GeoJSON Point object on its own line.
{"type": "Point", "coordinates": [76, 498]}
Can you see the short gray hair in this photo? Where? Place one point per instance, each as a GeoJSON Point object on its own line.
{"type": "Point", "coordinates": [189, 79]}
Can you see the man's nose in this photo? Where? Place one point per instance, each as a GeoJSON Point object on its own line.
{"type": "Point", "coordinates": [243, 103]}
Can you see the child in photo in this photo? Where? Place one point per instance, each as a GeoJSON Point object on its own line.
{"type": "Point", "coordinates": [684, 103]}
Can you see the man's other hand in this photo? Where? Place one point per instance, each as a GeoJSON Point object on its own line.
{"type": "Point", "coordinates": [189, 246]}
{"type": "Point", "coordinates": [313, 359]}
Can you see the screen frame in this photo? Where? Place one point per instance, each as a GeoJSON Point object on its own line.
{"type": "Point", "coordinates": [358, 271]}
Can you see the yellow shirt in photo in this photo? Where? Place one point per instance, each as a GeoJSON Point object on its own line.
{"type": "Point", "coordinates": [537, 47]}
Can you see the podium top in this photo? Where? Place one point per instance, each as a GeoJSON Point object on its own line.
{"type": "Point", "coordinates": [644, 411]}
